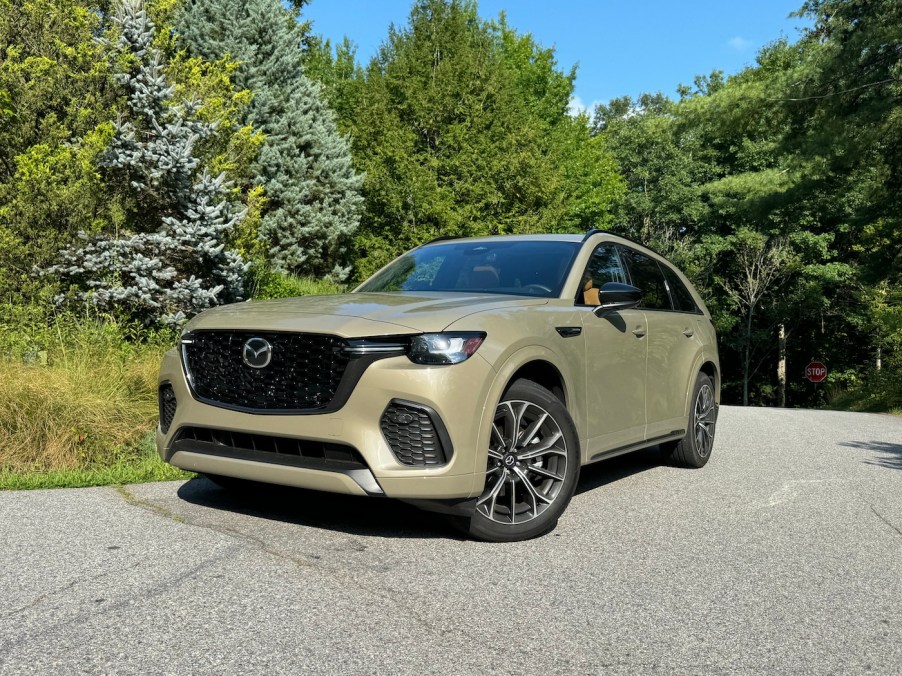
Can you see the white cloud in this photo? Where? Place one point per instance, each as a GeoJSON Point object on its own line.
{"type": "Point", "coordinates": [739, 43]}
{"type": "Point", "coordinates": [577, 107]}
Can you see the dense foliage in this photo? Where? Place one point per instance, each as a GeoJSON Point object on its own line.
{"type": "Point", "coordinates": [179, 266]}
{"type": "Point", "coordinates": [460, 127]}
{"type": "Point", "coordinates": [778, 190]}
{"type": "Point", "coordinates": [312, 191]}
{"type": "Point", "coordinates": [54, 89]}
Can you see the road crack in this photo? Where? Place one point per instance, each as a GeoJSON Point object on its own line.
{"type": "Point", "coordinates": [261, 545]}
{"type": "Point", "coordinates": [135, 501]}
{"type": "Point", "coordinates": [46, 596]}
{"type": "Point", "coordinates": [885, 520]}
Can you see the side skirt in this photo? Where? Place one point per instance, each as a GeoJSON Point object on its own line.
{"type": "Point", "coordinates": [671, 436]}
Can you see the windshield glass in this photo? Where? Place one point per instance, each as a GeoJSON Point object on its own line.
{"type": "Point", "coordinates": [524, 268]}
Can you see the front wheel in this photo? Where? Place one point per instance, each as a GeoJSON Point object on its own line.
{"type": "Point", "coordinates": [532, 468]}
{"type": "Point", "coordinates": [694, 449]}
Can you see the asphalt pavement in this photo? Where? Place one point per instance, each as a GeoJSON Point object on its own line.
{"type": "Point", "coordinates": [783, 555]}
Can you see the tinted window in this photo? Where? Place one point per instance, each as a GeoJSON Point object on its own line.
{"type": "Point", "coordinates": [646, 275]}
{"type": "Point", "coordinates": [604, 266]}
{"type": "Point", "coordinates": [527, 268]}
{"type": "Point", "coordinates": [682, 299]}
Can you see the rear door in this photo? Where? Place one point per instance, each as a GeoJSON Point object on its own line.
{"type": "Point", "coordinates": [672, 344]}
{"type": "Point", "coordinates": [615, 360]}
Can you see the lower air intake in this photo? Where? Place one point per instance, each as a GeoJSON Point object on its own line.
{"type": "Point", "coordinates": [265, 448]}
{"type": "Point", "coordinates": [415, 434]}
{"type": "Point", "coordinates": [168, 404]}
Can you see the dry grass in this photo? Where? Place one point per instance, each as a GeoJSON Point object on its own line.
{"type": "Point", "coordinates": [74, 393]}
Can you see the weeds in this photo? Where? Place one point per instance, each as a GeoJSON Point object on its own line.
{"type": "Point", "coordinates": [75, 393]}
{"type": "Point", "coordinates": [78, 393]}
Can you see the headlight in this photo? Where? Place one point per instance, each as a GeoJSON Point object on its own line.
{"type": "Point", "coordinates": [444, 348]}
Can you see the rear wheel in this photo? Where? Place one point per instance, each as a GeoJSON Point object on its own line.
{"type": "Point", "coordinates": [694, 449]}
{"type": "Point", "coordinates": [532, 468]}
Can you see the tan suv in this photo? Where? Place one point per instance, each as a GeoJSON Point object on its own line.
{"type": "Point", "coordinates": [469, 376]}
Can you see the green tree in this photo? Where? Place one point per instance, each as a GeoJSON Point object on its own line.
{"type": "Point", "coordinates": [58, 107]}
{"type": "Point", "coordinates": [312, 190]}
{"type": "Point", "coordinates": [55, 100]}
{"type": "Point", "coordinates": [461, 129]}
{"type": "Point", "coordinates": [174, 262]}
{"type": "Point", "coordinates": [663, 167]}
{"type": "Point", "coordinates": [339, 74]}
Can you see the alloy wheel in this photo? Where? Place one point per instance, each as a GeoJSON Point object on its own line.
{"type": "Point", "coordinates": [705, 417]}
{"type": "Point", "coordinates": [527, 463]}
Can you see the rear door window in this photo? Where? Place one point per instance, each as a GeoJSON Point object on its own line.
{"type": "Point", "coordinates": [646, 275]}
{"type": "Point", "coordinates": [682, 299]}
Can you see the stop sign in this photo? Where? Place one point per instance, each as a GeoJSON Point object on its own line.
{"type": "Point", "coordinates": [815, 372]}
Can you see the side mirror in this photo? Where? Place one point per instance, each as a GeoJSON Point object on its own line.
{"type": "Point", "coordinates": [614, 296]}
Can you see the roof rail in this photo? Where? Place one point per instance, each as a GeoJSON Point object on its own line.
{"type": "Point", "coordinates": [590, 232]}
{"type": "Point", "coordinates": [440, 239]}
{"type": "Point", "coordinates": [628, 239]}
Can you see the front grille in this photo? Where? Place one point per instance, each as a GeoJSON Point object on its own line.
{"type": "Point", "coordinates": [303, 373]}
{"type": "Point", "coordinates": [415, 434]}
{"type": "Point", "coordinates": [265, 448]}
{"type": "Point", "coordinates": [168, 403]}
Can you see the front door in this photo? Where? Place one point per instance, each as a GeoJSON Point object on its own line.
{"type": "Point", "coordinates": [615, 348]}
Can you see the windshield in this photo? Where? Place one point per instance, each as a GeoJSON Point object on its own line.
{"type": "Point", "coordinates": [523, 268]}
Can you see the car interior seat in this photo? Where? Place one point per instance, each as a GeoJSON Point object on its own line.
{"type": "Point", "coordinates": [590, 294]}
{"type": "Point", "coordinates": [483, 277]}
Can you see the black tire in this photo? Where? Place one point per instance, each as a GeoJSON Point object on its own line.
{"type": "Point", "coordinates": [230, 483]}
{"type": "Point", "coordinates": [694, 450]}
{"type": "Point", "coordinates": [536, 484]}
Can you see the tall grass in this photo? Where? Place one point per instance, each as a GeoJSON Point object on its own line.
{"type": "Point", "coordinates": [75, 392]}
{"type": "Point", "coordinates": [78, 392]}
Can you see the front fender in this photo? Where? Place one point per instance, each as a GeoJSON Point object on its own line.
{"type": "Point", "coordinates": [503, 377]}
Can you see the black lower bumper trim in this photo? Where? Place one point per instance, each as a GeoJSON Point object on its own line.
{"type": "Point", "coordinates": [285, 451]}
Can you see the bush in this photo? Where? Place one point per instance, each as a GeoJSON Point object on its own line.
{"type": "Point", "coordinates": [266, 284]}
{"type": "Point", "coordinates": [75, 393]}
{"type": "Point", "coordinates": [879, 391]}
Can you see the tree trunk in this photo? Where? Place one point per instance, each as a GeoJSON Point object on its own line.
{"type": "Point", "coordinates": [748, 349]}
{"type": "Point", "coordinates": [781, 369]}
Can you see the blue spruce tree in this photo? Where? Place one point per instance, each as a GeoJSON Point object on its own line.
{"type": "Point", "coordinates": [175, 262]}
{"type": "Point", "coordinates": [305, 165]}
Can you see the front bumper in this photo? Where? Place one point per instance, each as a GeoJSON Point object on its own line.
{"type": "Point", "coordinates": [457, 394]}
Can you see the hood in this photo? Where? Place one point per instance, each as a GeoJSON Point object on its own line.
{"type": "Point", "coordinates": [357, 314]}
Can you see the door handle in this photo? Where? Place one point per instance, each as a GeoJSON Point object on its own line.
{"type": "Point", "coordinates": [688, 333]}
{"type": "Point", "coordinates": [639, 333]}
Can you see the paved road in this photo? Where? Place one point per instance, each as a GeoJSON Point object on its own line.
{"type": "Point", "coordinates": [783, 555]}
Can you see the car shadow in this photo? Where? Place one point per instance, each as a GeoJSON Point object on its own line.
{"type": "Point", "coordinates": [609, 471]}
{"type": "Point", "coordinates": [374, 517]}
{"type": "Point", "coordinates": [891, 453]}
{"type": "Point", "coordinates": [363, 516]}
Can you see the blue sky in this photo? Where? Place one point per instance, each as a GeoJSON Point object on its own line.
{"type": "Point", "coordinates": [621, 46]}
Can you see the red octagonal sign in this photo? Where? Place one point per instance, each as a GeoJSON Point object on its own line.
{"type": "Point", "coordinates": [815, 372]}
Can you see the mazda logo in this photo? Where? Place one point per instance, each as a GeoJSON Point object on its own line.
{"type": "Point", "coordinates": [257, 353]}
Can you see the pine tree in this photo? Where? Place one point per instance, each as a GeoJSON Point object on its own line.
{"type": "Point", "coordinates": [179, 265]}
{"type": "Point", "coordinates": [305, 165]}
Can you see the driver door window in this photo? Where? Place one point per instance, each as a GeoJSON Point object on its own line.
{"type": "Point", "coordinates": [603, 267]}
